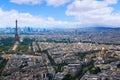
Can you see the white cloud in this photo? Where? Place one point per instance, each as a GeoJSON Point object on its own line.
{"type": "Point", "coordinates": [57, 2]}
{"type": "Point", "coordinates": [7, 19]}
{"type": "Point", "coordinates": [31, 2]}
{"type": "Point", "coordinates": [94, 12]}
{"type": "Point", "coordinates": [87, 12]}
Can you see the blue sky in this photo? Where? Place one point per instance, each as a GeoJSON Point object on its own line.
{"type": "Point", "coordinates": [65, 13]}
{"type": "Point", "coordinates": [39, 9]}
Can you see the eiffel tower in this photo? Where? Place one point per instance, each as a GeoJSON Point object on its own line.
{"type": "Point", "coordinates": [16, 33]}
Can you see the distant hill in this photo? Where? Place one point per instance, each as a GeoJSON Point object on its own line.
{"type": "Point", "coordinates": [100, 28]}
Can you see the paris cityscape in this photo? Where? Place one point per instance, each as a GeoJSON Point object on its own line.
{"type": "Point", "coordinates": [33, 47]}
{"type": "Point", "coordinates": [71, 54]}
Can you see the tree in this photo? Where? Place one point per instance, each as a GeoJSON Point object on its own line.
{"type": "Point", "coordinates": [95, 70]}
{"type": "Point", "coordinates": [68, 77]}
{"type": "Point", "coordinates": [118, 66]}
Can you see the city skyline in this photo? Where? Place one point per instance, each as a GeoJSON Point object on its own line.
{"type": "Point", "coordinates": [62, 14]}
